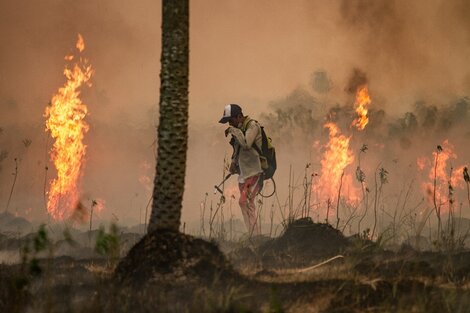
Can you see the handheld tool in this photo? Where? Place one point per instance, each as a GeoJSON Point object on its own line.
{"type": "Point", "coordinates": [217, 187]}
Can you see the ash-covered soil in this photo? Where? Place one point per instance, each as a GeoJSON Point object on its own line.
{"type": "Point", "coordinates": [302, 243]}
{"type": "Point", "coordinates": [167, 272]}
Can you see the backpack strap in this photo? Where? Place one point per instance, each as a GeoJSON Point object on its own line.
{"type": "Point", "coordinates": [245, 127]}
{"type": "Point", "coordinates": [245, 124]}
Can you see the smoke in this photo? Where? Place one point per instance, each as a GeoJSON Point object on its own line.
{"type": "Point", "coordinates": [121, 101]}
{"type": "Point", "coordinates": [291, 65]}
{"type": "Point", "coordinates": [395, 143]}
{"type": "Point", "coordinates": [413, 49]}
{"type": "Point", "coordinates": [295, 116]}
{"type": "Point", "coordinates": [320, 82]}
{"type": "Point", "coordinates": [356, 80]}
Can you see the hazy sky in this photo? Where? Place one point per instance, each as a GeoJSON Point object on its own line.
{"type": "Point", "coordinates": [243, 51]}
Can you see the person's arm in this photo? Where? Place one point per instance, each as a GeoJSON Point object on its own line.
{"type": "Point", "coordinates": [247, 140]}
{"type": "Point", "coordinates": [234, 169]}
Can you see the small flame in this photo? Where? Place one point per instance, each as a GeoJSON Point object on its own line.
{"type": "Point", "coordinates": [440, 170]}
{"type": "Point", "coordinates": [80, 43]}
{"type": "Point", "coordinates": [362, 101]}
{"type": "Point", "coordinates": [65, 121]}
{"type": "Point", "coordinates": [144, 178]}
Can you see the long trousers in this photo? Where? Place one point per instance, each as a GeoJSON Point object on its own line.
{"type": "Point", "coordinates": [248, 191]}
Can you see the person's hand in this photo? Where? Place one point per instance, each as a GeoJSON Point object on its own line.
{"type": "Point", "coordinates": [233, 141]}
{"type": "Point", "coordinates": [228, 131]}
{"type": "Point", "coordinates": [233, 168]}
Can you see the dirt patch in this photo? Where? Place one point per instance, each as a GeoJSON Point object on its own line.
{"type": "Point", "coordinates": [302, 243]}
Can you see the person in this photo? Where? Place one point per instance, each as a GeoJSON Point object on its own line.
{"type": "Point", "coordinates": [245, 133]}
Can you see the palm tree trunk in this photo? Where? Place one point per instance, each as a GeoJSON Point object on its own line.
{"type": "Point", "coordinates": [173, 126]}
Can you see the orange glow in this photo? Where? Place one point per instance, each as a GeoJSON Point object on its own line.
{"type": "Point", "coordinates": [80, 43]}
{"type": "Point", "coordinates": [65, 121]}
{"type": "Point", "coordinates": [336, 158]}
{"type": "Point", "coordinates": [144, 178]}
{"type": "Point", "coordinates": [441, 172]}
{"type": "Point", "coordinates": [99, 205]}
{"type": "Point", "coordinates": [231, 190]}
{"type": "Point", "coordinates": [360, 105]}
{"type": "Point", "coordinates": [421, 163]}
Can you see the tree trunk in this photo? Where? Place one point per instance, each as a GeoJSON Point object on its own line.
{"type": "Point", "coordinates": [173, 126]}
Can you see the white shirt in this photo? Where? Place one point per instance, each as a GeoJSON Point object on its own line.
{"type": "Point", "coordinates": [248, 158]}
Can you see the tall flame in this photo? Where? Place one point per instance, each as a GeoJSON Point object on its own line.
{"type": "Point", "coordinates": [336, 158]}
{"type": "Point", "coordinates": [360, 105]}
{"type": "Point", "coordinates": [65, 120]}
{"type": "Point", "coordinates": [337, 155]}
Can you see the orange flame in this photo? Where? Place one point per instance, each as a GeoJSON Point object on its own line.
{"type": "Point", "coordinates": [65, 121]}
{"type": "Point", "coordinates": [336, 158]}
{"type": "Point", "coordinates": [80, 43]}
{"type": "Point", "coordinates": [440, 171]}
{"type": "Point", "coordinates": [361, 103]}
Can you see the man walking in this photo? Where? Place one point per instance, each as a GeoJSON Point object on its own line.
{"type": "Point", "coordinates": [246, 133]}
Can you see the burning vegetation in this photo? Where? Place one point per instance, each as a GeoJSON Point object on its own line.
{"type": "Point", "coordinates": [367, 168]}
{"type": "Point", "coordinates": [65, 121]}
{"type": "Point", "coordinates": [375, 222]}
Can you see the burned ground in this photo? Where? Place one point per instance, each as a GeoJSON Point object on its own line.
{"type": "Point", "coordinates": [302, 243]}
{"type": "Point", "coordinates": [181, 273]}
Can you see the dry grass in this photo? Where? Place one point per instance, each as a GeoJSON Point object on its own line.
{"type": "Point", "coordinates": [367, 279]}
